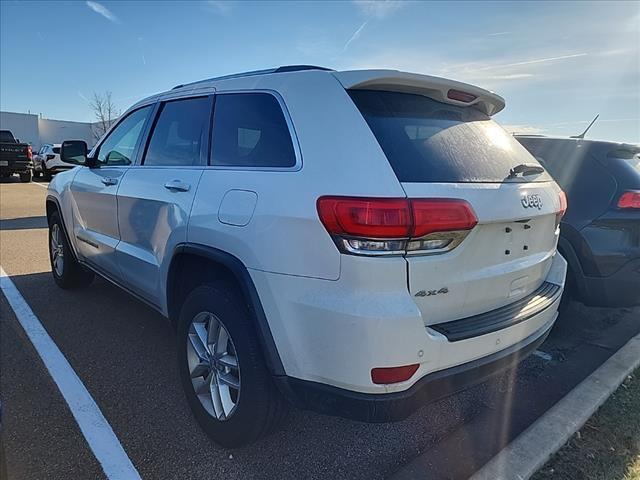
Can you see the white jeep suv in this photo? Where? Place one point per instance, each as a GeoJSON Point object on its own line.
{"type": "Point", "coordinates": [357, 243]}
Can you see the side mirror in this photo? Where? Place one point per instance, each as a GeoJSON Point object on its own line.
{"type": "Point", "coordinates": [74, 151]}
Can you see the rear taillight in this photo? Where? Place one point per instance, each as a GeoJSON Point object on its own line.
{"type": "Point", "coordinates": [629, 199]}
{"type": "Point", "coordinates": [29, 152]}
{"type": "Point", "coordinates": [563, 207]}
{"type": "Point", "coordinates": [374, 226]}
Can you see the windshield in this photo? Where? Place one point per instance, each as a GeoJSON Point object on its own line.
{"type": "Point", "coordinates": [429, 141]}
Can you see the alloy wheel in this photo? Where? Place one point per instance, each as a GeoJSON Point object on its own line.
{"type": "Point", "coordinates": [57, 249]}
{"type": "Point", "coordinates": [213, 365]}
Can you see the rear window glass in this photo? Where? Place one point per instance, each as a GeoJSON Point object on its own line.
{"type": "Point", "coordinates": [629, 153]}
{"type": "Point", "coordinates": [6, 136]}
{"type": "Point", "coordinates": [429, 141]}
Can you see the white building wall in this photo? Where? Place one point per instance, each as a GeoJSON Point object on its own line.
{"type": "Point", "coordinates": [55, 131]}
{"type": "Point", "coordinates": [24, 126]}
{"type": "Point", "coordinates": [36, 131]}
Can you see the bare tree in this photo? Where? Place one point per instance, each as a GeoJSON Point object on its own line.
{"type": "Point", "coordinates": [105, 112]}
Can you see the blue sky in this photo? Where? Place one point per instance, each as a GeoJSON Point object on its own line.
{"type": "Point", "coordinates": [557, 64]}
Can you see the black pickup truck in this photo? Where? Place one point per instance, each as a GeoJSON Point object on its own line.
{"type": "Point", "coordinates": [15, 157]}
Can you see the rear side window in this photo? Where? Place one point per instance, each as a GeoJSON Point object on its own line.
{"type": "Point", "coordinates": [180, 134]}
{"type": "Point", "coordinates": [250, 130]}
{"type": "Point", "coordinates": [429, 141]}
{"type": "Point", "coordinates": [56, 150]}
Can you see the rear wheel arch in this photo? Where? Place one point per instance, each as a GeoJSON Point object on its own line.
{"type": "Point", "coordinates": [574, 270]}
{"type": "Point", "coordinates": [193, 265]}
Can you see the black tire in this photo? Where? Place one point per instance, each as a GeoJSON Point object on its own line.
{"type": "Point", "coordinates": [37, 174]}
{"type": "Point", "coordinates": [260, 406]}
{"type": "Point", "coordinates": [46, 174]}
{"type": "Point", "coordinates": [26, 177]}
{"type": "Point", "coordinates": [72, 274]}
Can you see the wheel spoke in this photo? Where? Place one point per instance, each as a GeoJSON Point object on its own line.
{"type": "Point", "coordinates": [199, 348]}
{"type": "Point", "coordinates": [204, 387]}
{"type": "Point", "coordinates": [220, 346]}
{"type": "Point", "coordinates": [225, 398]}
{"type": "Point", "coordinates": [202, 369]}
{"type": "Point", "coordinates": [229, 361]}
{"type": "Point", "coordinates": [214, 389]}
{"type": "Point", "coordinates": [229, 379]}
{"type": "Point", "coordinates": [213, 330]}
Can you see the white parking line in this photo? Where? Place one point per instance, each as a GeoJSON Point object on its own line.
{"type": "Point", "coordinates": [43, 185]}
{"type": "Point", "coordinates": [95, 428]}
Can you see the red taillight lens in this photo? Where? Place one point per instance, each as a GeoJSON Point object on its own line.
{"type": "Point", "coordinates": [630, 199]}
{"type": "Point", "coordinates": [365, 217]}
{"type": "Point", "coordinates": [441, 215]}
{"type": "Point", "coordinates": [393, 374]}
{"type": "Point", "coordinates": [563, 207]}
{"type": "Point", "coordinates": [461, 96]}
{"type": "Point", "coordinates": [29, 152]}
{"type": "Point", "coordinates": [563, 203]}
{"type": "Point", "coordinates": [383, 225]}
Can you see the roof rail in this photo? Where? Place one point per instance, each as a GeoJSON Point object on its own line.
{"type": "Point", "coordinates": [282, 69]}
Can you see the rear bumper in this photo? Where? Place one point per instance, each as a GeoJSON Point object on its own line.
{"type": "Point", "coordinates": [332, 333]}
{"type": "Point", "coordinates": [378, 408]}
{"type": "Point", "coordinates": [17, 166]}
{"type": "Point", "coordinates": [621, 289]}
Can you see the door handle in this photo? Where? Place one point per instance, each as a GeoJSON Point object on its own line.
{"type": "Point", "coordinates": [177, 185]}
{"type": "Point", "coordinates": [109, 181]}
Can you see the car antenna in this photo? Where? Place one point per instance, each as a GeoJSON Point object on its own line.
{"type": "Point", "coordinates": [581, 136]}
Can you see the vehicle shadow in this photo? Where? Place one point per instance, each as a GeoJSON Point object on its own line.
{"type": "Point", "coordinates": [23, 223]}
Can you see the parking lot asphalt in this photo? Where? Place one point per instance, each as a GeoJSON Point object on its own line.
{"type": "Point", "coordinates": [124, 353]}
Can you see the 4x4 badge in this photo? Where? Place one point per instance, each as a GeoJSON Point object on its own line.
{"type": "Point", "coordinates": [532, 201]}
{"type": "Point", "coordinates": [428, 293]}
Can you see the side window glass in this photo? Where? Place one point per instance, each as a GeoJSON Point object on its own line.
{"type": "Point", "coordinates": [119, 147]}
{"type": "Point", "coordinates": [180, 134]}
{"type": "Point", "coordinates": [250, 130]}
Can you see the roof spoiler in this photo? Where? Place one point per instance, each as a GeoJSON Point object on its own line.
{"type": "Point", "coordinates": [440, 89]}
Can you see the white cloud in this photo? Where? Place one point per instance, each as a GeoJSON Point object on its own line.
{"type": "Point", "coordinates": [377, 8]}
{"type": "Point", "coordinates": [102, 10]}
{"type": "Point", "coordinates": [355, 35]}
{"type": "Point", "coordinates": [540, 60]}
{"type": "Point", "coordinates": [497, 34]}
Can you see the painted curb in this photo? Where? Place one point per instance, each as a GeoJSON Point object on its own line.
{"type": "Point", "coordinates": [525, 455]}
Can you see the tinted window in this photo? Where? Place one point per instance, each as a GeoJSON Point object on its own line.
{"type": "Point", "coordinates": [180, 133]}
{"type": "Point", "coordinates": [250, 130]}
{"type": "Point", "coordinates": [120, 146]}
{"type": "Point", "coordinates": [56, 150]}
{"type": "Point", "coordinates": [6, 136]}
{"type": "Point", "coordinates": [429, 141]}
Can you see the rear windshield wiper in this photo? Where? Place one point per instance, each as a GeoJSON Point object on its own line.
{"type": "Point", "coordinates": [525, 169]}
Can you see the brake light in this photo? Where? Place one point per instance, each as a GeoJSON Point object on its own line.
{"type": "Point", "coordinates": [361, 217]}
{"type": "Point", "coordinates": [629, 199]}
{"type": "Point", "coordinates": [563, 207]}
{"type": "Point", "coordinates": [373, 226]}
{"type": "Point", "coordinates": [441, 215]}
{"type": "Point", "coordinates": [29, 152]}
{"type": "Point", "coordinates": [386, 375]}
{"type": "Point", "coordinates": [461, 96]}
